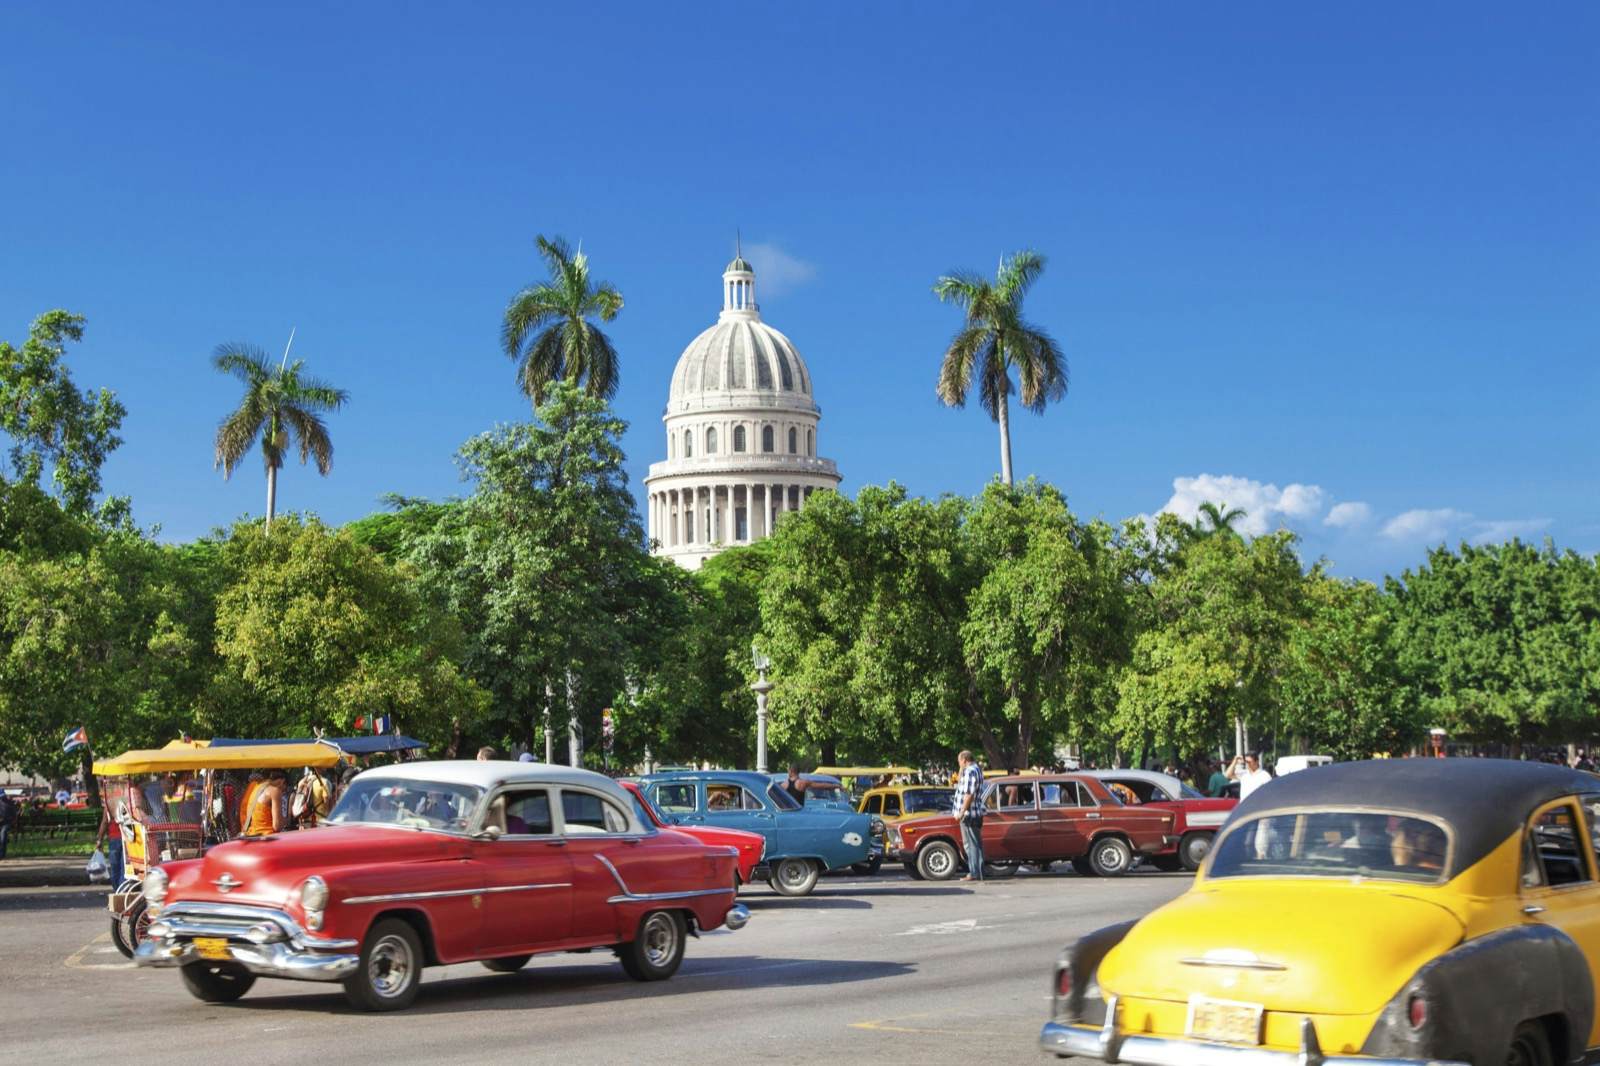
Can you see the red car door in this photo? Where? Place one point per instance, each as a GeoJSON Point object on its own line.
{"type": "Point", "coordinates": [1011, 826]}
{"type": "Point", "coordinates": [608, 859]}
{"type": "Point", "coordinates": [527, 899]}
{"type": "Point", "coordinates": [1067, 817]}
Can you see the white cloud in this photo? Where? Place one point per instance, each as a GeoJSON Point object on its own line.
{"type": "Point", "coordinates": [1505, 529]}
{"type": "Point", "coordinates": [777, 272]}
{"type": "Point", "coordinates": [1265, 505]}
{"type": "Point", "coordinates": [1423, 524]}
{"type": "Point", "coordinates": [1348, 515]}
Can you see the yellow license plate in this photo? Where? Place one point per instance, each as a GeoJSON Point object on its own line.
{"type": "Point", "coordinates": [1224, 1020]}
{"type": "Point", "coordinates": [212, 947]}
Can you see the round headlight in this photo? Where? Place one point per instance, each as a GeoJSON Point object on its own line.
{"type": "Point", "coordinates": [155, 886]}
{"type": "Point", "coordinates": [314, 900]}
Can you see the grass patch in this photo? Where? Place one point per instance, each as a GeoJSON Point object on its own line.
{"type": "Point", "coordinates": [42, 847]}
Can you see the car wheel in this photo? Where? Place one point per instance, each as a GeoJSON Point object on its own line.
{"type": "Point", "coordinates": [1083, 868]}
{"type": "Point", "coordinates": [1110, 856]}
{"type": "Point", "coordinates": [217, 982]}
{"type": "Point", "coordinates": [119, 940]}
{"type": "Point", "coordinates": [654, 954]}
{"type": "Point", "coordinates": [911, 869]}
{"type": "Point", "coordinates": [390, 971]}
{"type": "Point", "coordinates": [795, 877]}
{"type": "Point", "coordinates": [869, 868]}
{"type": "Point", "coordinates": [507, 964]}
{"type": "Point", "coordinates": [1167, 864]}
{"type": "Point", "coordinates": [134, 924]}
{"type": "Point", "coordinates": [938, 861]}
{"type": "Point", "coordinates": [1530, 1046]}
{"type": "Point", "coordinates": [1194, 849]}
{"type": "Point", "coordinates": [1007, 868]}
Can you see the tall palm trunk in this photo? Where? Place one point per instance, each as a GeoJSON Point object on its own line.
{"type": "Point", "coordinates": [272, 494]}
{"type": "Point", "coordinates": [1004, 411]}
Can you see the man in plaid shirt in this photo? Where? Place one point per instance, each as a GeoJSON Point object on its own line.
{"type": "Point", "coordinates": [969, 812]}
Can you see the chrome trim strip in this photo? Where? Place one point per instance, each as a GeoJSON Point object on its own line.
{"type": "Point", "coordinates": [1234, 964]}
{"type": "Point", "coordinates": [394, 897]}
{"type": "Point", "coordinates": [253, 914]}
{"type": "Point", "coordinates": [629, 896]}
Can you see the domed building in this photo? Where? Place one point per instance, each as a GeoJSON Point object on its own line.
{"type": "Point", "coordinates": [741, 434]}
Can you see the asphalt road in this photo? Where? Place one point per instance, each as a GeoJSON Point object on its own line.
{"type": "Point", "coordinates": [880, 970]}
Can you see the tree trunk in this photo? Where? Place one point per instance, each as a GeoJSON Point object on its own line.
{"type": "Point", "coordinates": [1004, 413]}
{"type": "Point", "coordinates": [830, 753]}
{"type": "Point", "coordinates": [272, 494]}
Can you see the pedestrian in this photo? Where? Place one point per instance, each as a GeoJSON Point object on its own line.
{"type": "Point", "coordinates": [969, 812]}
{"type": "Point", "coordinates": [8, 818]}
{"type": "Point", "coordinates": [110, 834]}
{"type": "Point", "coordinates": [487, 754]}
{"type": "Point", "coordinates": [266, 814]}
{"type": "Point", "coordinates": [1218, 784]}
{"type": "Point", "coordinates": [1250, 777]}
{"type": "Point", "coordinates": [796, 785]}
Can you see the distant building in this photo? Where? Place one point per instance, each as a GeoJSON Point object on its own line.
{"type": "Point", "coordinates": [741, 434]}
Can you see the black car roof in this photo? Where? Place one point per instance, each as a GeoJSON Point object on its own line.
{"type": "Point", "coordinates": [1483, 801]}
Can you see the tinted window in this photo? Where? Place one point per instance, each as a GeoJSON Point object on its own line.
{"type": "Point", "coordinates": [585, 812]}
{"type": "Point", "coordinates": [1333, 844]}
{"type": "Point", "coordinates": [676, 798]}
{"type": "Point", "coordinates": [1560, 842]}
{"type": "Point", "coordinates": [527, 812]}
{"type": "Point", "coordinates": [875, 805]}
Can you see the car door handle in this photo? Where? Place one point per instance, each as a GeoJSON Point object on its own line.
{"type": "Point", "coordinates": [1030, 817]}
{"type": "Point", "coordinates": [556, 843]}
{"type": "Point", "coordinates": [1531, 909]}
{"type": "Point", "coordinates": [1091, 815]}
{"type": "Point", "coordinates": [694, 818]}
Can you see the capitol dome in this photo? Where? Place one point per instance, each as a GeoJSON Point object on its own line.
{"type": "Point", "coordinates": [741, 433]}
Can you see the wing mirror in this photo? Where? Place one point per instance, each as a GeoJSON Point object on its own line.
{"type": "Point", "coordinates": [489, 832]}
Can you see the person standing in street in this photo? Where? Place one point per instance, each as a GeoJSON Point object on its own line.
{"type": "Point", "coordinates": [969, 812]}
{"type": "Point", "coordinates": [1250, 777]}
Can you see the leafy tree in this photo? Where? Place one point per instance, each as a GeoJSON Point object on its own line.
{"type": "Point", "coordinates": [1214, 519]}
{"type": "Point", "coordinates": [1498, 642]}
{"type": "Point", "coordinates": [33, 523]}
{"type": "Point", "coordinates": [547, 331]}
{"type": "Point", "coordinates": [995, 340]}
{"type": "Point", "coordinates": [315, 630]}
{"type": "Point", "coordinates": [49, 421]}
{"type": "Point", "coordinates": [281, 407]}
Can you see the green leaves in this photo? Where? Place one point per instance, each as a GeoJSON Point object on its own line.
{"type": "Point", "coordinates": [546, 331]}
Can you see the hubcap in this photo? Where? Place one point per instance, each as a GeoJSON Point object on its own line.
{"type": "Point", "coordinates": [793, 874]}
{"type": "Point", "coordinates": [939, 861]}
{"type": "Point", "coordinates": [660, 939]}
{"type": "Point", "coordinates": [1199, 848]}
{"type": "Point", "coordinates": [390, 966]}
{"type": "Point", "coordinates": [1111, 858]}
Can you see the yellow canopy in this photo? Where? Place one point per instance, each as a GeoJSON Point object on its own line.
{"type": "Point", "coordinates": [863, 771]}
{"type": "Point", "coordinates": [244, 757]}
{"type": "Point", "coordinates": [181, 743]}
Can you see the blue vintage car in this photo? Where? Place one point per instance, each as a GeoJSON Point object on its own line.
{"type": "Point", "coordinates": [801, 842]}
{"type": "Point", "coordinates": [822, 791]}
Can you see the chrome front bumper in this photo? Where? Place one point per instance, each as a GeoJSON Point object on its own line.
{"type": "Point", "coordinates": [264, 941]}
{"type": "Point", "coordinates": [1105, 1043]}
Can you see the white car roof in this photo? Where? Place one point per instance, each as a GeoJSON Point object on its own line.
{"type": "Point", "coordinates": [1169, 784]}
{"type": "Point", "coordinates": [495, 772]}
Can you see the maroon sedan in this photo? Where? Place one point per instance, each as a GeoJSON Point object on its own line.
{"type": "Point", "coordinates": [1040, 820]}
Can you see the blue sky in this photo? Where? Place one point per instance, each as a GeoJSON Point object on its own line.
{"type": "Point", "coordinates": [1338, 264]}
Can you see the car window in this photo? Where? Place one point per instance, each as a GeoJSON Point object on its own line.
{"type": "Point", "coordinates": [891, 803]}
{"type": "Point", "coordinates": [1012, 796]}
{"type": "Point", "coordinates": [675, 798]}
{"type": "Point", "coordinates": [874, 804]}
{"type": "Point", "coordinates": [1591, 816]}
{"type": "Point", "coordinates": [751, 801]}
{"type": "Point", "coordinates": [642, 808]}
{"type": "Point", "coordinates": [526, 812]}
{"type": "Point", "coordinates": [585, 812]}
{"type": "Point", "coordinates": [1560, 841]}
{"type": "Point", "coordinates": [417, 804]}
{"type": "Point", "coordinates": [1063, 794]}
{"type": "Point", "coordinates": [1392, 847]}
{"type": "Point", "coordinates": [930, 799]}
{"type": "Point", "coordinates": [781, 799]}
{"type": "Point", "coordinates": [1139, 791]}
{"type": "Point", "coordinates": [724, 797]}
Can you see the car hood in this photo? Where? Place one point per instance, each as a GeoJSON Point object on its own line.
{"type": "Point", "coordinates": [266, 870]}
{"type": "Point", "coordinates": [1290, 945]}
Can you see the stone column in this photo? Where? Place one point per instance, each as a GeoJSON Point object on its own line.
{"type": "Point", "coordinates": [726, 524]}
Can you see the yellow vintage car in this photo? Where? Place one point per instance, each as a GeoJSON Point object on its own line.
{"type": "Point", "coordinates": [1398, 911]}
{"type": "Point", "coordinates": [895, 803]}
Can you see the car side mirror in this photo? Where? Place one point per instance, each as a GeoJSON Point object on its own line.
{"type": "Point", "coordinates": [489, 832]}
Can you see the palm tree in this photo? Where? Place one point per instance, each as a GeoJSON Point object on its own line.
{"type": "Point", "coordinates": [280, 406]}
{"type": "Point", "coordinates": [1219, 518]}
{"type": "Point", "coordinates": [997, 339]}
{"type": "Point", "coordinates": [548, 332]}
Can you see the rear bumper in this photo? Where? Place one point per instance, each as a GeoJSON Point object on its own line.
{"type": "Point", "coordinates": [264, 941]}
{"type": "Point", "coordinates": [1106, 1044]}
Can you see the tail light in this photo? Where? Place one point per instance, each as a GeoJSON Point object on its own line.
{"type": "Point", "coordinates": [1417, 1011]}
{"type": "Point", "coordinates": [1064, 982]}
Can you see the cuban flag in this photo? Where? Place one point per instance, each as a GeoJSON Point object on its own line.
{"type": "Point", "coordinates": [381, 724]}
{"type": "Point", "coordinates": [75, 740]}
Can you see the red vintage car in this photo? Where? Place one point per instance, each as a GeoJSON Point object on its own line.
{"type": "Point", "coordinates": [750, 847]}
{"type": "Point", "coordinates": [432, 863]}
{"type": "Point", "coordinates": [1196, 818]}
{"type": "Point", "coordinates": [1040, 820]}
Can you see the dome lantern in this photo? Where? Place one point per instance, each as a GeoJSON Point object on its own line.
{"type": "Point", "coordinates": [739, 284]}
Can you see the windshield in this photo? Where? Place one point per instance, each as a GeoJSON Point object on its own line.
{"type": "Point", "coordinates": [781, 799]}
{"type": "Point", "coordinates": [1389, 847]}
{"type": "Point", "coordinates": [648, 815]}
{"type": "Point", "coordinates": [824, 794]}
{"type": "Point", "coordinates": [417, 804]}
{"type": "Point", "coordinates": [1190, 794]}
{"type": "Point", "coordinates": [930, 799]}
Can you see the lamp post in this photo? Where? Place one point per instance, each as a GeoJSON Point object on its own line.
{"type": "Point", "coordinates": [549, 733]}
{"type": "Point", "coordinates": [761, 687]}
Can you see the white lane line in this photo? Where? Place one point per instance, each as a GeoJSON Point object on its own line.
{"type": "Point", "coordinates": [75, 960]}
{"type": "Point", "coordinates": [960, 925]}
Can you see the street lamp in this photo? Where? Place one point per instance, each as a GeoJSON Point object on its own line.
{"type": "Point", "coordinates": [761, 687]}
{"type": "Point", "coordinates": [549, 733]}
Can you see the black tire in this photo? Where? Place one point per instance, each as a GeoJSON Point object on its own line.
{"type": "Point", "coordinates": [390, 971]}
{"type": "Point", "coordinates": [795, 877]}
{"type": "Point", "coordinates": [1167, 864]}
{"type": "Point", "coordinates": [217, 982]}
{"type": "Point", "coordinates": [938, 861]}
{"type": "Point", "coordinates": [1193, 850]}
{"type": "Point", "coordinates": [1082, 867]}
{"type": "Point", "coordinates": [656, 951]}
{"type": "Point", "coordinates": [507, 964]}
{"type": "Point", "coordinates": [1007, 868]}
{"type": "Point", "coordinates": [1110, 857]}
{"type": "Point", "coordinates": [1042, 867]}
{"type": "Point", "coordinates": [119, 940]}
{"type": "Point", "coordinates": [911, 869]}
{"type": "Point", "coordinates": [1530, 1046]}
{"type": "Point", "coordinates": [869, 868]}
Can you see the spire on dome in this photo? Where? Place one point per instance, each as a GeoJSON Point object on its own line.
{"type": "Point", "coordinates": [739, 281]}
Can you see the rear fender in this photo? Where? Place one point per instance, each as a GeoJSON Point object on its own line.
{"type": "Point", "coordinates": [1083, 958]}
{"type": "Point", "coordinates": [1478, 993]}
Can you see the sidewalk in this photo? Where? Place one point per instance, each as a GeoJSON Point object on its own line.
{"type": "Point", "coordinates": [57, 872]}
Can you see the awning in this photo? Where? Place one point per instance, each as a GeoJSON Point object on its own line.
{"type": "Point", "coordinates": [279, 756]}
{"type": "Point", "coordinates": [367, 745]}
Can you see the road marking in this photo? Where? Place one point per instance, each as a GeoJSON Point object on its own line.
{"type": "Point", "coordinates": [75, 960]}
{"type": "Point", "coordinates": [960, 925]}
{"type": "Point", "coordinates": [884, 1026]}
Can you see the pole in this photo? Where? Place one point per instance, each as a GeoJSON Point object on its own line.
{"type": "Point", "coordinates": [574, 735]}
{"type": "Point", "coordinates": [761, 687]}
{"type": "Point", "coordinates": [549, 733]}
